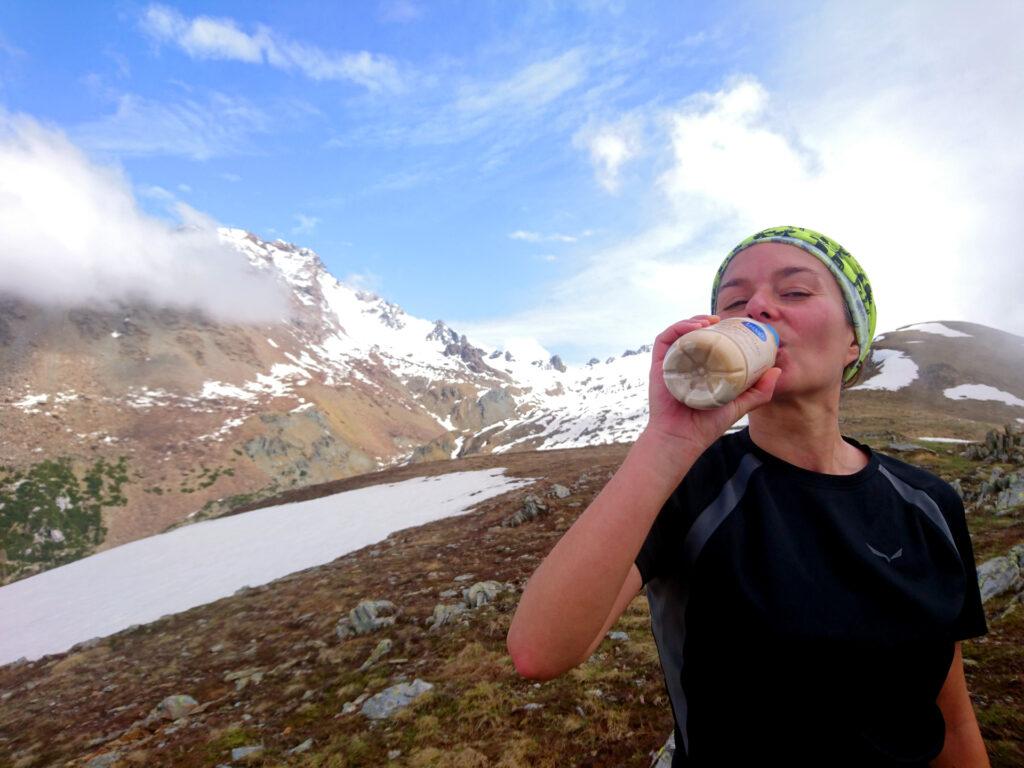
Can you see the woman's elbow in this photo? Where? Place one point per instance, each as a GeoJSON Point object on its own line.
{"type": "Point", "coordinates": [525, 665]}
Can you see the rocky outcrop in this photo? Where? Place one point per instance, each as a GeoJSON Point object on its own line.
{"type": "Point", "coordinates": [1000, 445]}
{"type": "Point", "coordinates": [301, 448]}
{"type": "Point", "coordinates": [383, 647]}
{"type": "Point", "coordinates": [458, 347]}
{"type": "Point", "coordinates": [1003, 574]}
{"type": "Point", "coordinates": [481, 593]}
{"type": "Point", "coordinates": [384, 704]}
{"type": "Point", "coordinates": [532, 507]}
{"type": "Point", "coordinates": [368, 616]}
{"type": "Point", "coordinates": [173, 707]}
{"type": "Point", "coordinates": [1002, 493]}
{"type": "Point", "coordinates": [560, 491]}
{"type": "Point", "coordinates": [495, 405]}
{"type": "Point", "coordinates": [638, 351]}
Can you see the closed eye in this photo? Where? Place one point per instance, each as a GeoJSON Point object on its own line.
{"type": "Point", "coordinates": [788, 293]}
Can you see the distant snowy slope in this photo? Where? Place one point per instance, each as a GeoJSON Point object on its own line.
{"type": "Point", "coordinates": [951, 372]}
{"type": "Point", "coordinates": [139, 582]}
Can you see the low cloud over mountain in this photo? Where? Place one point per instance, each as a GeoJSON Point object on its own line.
{"type": "Point", "coordinates": [72, 233]}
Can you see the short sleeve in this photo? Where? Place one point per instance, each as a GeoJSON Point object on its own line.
{"type": "Point", "coordinates": [661, 546]}
{"type": "Point", "coordinates": [971, 621]}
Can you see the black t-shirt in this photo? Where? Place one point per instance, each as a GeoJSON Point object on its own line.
{"type": "Point", "coordinates": [804, 617]}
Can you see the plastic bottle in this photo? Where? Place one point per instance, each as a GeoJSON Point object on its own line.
{"type": "Point", "coordinates": [709, 367]}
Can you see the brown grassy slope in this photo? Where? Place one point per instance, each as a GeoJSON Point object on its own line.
{"type": "Point", "coordinates": [610, 711]}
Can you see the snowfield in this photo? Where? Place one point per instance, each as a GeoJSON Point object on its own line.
{"type": "Point", "coordinates": [981, 392]}
{"type": "Point", "coordinates": [895, 370]}
{"type": "Point", "coordinates": [143, 580]}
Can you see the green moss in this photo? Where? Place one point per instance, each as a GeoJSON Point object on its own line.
{"type": "Point", "coordinates": [358, 751]}
{"type": "Point", "coordinates": [1004, 752]}
{"type": "Point", "coordinates": [1000, 719]}
{"type": "Point", "coordinates": [50, 516]}
{"type": "Point", "coordinates": [226, 505]}
{"type": "Point", "coordinates": [233, 737]}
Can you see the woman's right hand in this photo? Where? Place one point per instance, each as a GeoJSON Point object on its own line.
{"type": "Point", "coordinates": [669, 418]}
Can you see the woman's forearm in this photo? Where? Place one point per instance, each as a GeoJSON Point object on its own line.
{"type": "Point", "coordinates": [569, 597]}
{"type": "Point", "coordinates": [963, 748]}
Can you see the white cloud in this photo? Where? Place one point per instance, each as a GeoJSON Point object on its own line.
{"type": "Point", "coordinates": [190, 128]}
{"type": "Point", "coordinates": [611, 146]}
{"type": "Point", "coordinates": [895, 131]}
{"type": "Point", "coordinates": [503, 108]}
{"type": "Point", "coordinates": [538, 237]}
{"type": "Point", "coordinates": [156, 192]}
{"type": "Point", "coordinates": [400, 11]}
{"type": "Point", "coordinates": [623, 296]}
{"type": "Point", "coordinates": [524, 348]}
{"type": "Point", "coordinates": [72, 234]}
{"type": "Point", "coordinates": [530, 88]}
{"type": "Point", "coordinates": [924, 131]}
{"type": "Point", "coordinates": [205, 37]}
{"type": "Point", "coordinates": [306, 224]}
{"type": "Point", "coordinates": [7, 49]}
{"type": "Point", "coordinates": [365, 280]}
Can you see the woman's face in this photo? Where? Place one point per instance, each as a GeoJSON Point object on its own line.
{"type": "Point", "coordinates": [795, 293]}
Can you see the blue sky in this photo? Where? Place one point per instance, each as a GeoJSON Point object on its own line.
{"type": "Point", "coordinates": [565, 174]}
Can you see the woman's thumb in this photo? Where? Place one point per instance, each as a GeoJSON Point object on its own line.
{"type": "Point", "coordinates": [761, 392]}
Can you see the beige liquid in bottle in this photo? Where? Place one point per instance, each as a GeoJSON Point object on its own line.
{"type": "Point", "coordinates": [709, 367]}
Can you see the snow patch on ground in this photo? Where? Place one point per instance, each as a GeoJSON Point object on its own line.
{"type": "Point", "coordinates": [29, 402]}
{"type": "Point", "coordinates": [981, 392]}
{"type": "Point", "coordinates": [896, 370]}
{"type": "Point", "coordinates": [214, 390]}
{"type": "Point", "coordinates": [226, 427]}
{"type": "Point", "coordinates": [143, 580]}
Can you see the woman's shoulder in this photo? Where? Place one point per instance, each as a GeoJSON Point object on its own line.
{"type": "Point", "coordinates": [918, 477]}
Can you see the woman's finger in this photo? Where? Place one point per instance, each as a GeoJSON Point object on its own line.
{"type": "Point", "coordinates": [666, 338]}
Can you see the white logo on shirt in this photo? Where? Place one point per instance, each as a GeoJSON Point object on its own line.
{"type": "Point", "coordinates": [888, 558]}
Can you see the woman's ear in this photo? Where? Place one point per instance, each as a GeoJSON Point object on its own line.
{"type": "Point", "coordinates": [853, 352]}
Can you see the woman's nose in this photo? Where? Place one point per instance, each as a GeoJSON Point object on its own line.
{"type": "Point", "coordinates": [760, 305]}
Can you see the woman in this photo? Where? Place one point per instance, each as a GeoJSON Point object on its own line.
{"type": "Point", "coordinates": [807, 594]}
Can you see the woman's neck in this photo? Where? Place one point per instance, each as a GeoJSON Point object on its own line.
{"type": "Point", "coordinates": [806, 434]}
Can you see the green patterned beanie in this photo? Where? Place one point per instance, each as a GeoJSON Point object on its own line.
{"type": "Point", "coordinates": [853, 281]}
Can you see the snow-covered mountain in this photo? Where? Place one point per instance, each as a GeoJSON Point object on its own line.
{"type": "Point", "coordinates": [121, 424]}
{"type": "Point", "coordinates": [501, 400]}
